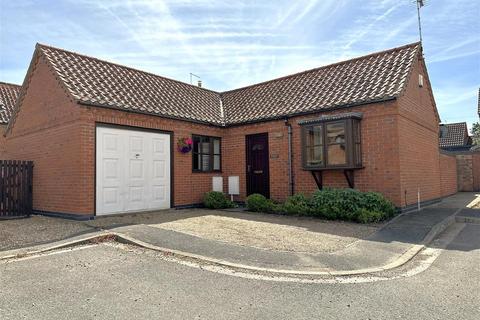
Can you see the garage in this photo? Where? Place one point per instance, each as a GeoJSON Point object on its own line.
{"type": "Point", "coordinates": [133, 170]}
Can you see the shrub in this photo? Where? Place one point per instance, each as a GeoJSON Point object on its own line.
{"type": "Point", "coordinates": [335, 203]}
{"type": "Point", "coordinates": [374, 201]}
{"type": "Point", "coordinates": [217, 200]}
{"type": "Point", "coordinates": [278, 208]}
{"type": "Point", "coordinates": [341, 204]}
{"type": "Point", "coordinates": [297, 204]}
{"type": "Point", "coordinates": [350, 204]}
{"type": "Point", "coordinates": [367, 216]}
{"type": "Point", "coordinates": [258, 203]}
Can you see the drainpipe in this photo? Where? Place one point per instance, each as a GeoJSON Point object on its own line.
{"type": "Point", "coordinates": [290, 164]}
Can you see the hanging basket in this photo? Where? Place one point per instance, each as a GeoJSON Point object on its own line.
{"type": "Point", "coordinates": [184, 145]}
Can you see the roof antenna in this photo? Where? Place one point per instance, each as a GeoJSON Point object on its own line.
{"type": "Point", "coordinates": [198, 77]}
{"type": "Point", "coordinates": [420, 3]}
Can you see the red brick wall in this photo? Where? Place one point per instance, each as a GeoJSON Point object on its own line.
{"type": "Point", "coordinates": [47, 131]}
{"type": "Point", "coordinates": [235, 155]}
{"type": "Point", "coordinates": [418, 141]}
{"type": "Point", "coordinates": [448, 174]}
{"type": "Point", "coordinates": [380, 159]}
{"type": "Point", "coordinates": [476, 171]}
{"type": "Point", "coordinates": [468, 171]}
{"type": "Point", "coordinates": [189, 187]}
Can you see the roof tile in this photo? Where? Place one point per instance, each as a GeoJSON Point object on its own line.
{"type": "Point", "coordinates": [8, 96]}
{"type": "Point", "coordinates": [374, 77]}
{"type": "Point", "coordinates": [454, 135]}
{"type": "Point", "coordinates": [96, 82]}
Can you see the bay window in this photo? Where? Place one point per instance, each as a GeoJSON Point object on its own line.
{"type": "Point", "coordinates": [332, 142]}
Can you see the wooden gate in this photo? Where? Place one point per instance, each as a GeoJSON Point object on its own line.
{"type": "Point", "coordinates": [16, 179]}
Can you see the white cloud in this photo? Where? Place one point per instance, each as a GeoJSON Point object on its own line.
{"type": "Point", "coordinates": [236, 43]}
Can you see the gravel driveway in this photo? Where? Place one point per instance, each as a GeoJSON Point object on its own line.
{"type": "Point", "coordinates": [264, 231]}
{"type": "Point", "coordinates": [272, 232]}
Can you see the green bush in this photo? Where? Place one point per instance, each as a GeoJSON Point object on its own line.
{"type": "Point", "coordinates": [333, 204]}
{"type": "Point", "coordinates": [374, 201]}
{"type": "Point", "coordinates": [217, 200]}
{"type": "Point", "coordinates": [352, 205]}
{"type": "Point", "coordinates": [298, 204]}
{"type": "Point", "coordinates": [258, 203]}
{"type": "Point", "coordinates": [367, 216]}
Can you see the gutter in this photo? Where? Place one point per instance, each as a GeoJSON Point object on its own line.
{"type": "Point", "coordinates": [314, 111]}
{"type": "Point", "coordinates": [225, 124]}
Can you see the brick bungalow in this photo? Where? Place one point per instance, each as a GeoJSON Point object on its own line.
{"type": "Point", "coordinates": [104, 136]}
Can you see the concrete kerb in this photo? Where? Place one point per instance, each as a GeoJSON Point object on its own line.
{"type": "Point", "coordinates": [472, 220]}
{"type": "Point", "coordinates": [122, 238]}
{"type": "Point", "coordinates": [440, 227]}
{"type": "Point", "coordinates": [62, 244]}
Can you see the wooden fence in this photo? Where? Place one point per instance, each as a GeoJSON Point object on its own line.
{"type": "Point", "coordinates": [16, 179]}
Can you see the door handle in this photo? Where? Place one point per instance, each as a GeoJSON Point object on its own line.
{"type": "Point", "coordinates": [248, 168]}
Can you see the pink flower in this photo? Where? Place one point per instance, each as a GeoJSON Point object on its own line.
{"type": "Point", "coordinates": [189, 141]}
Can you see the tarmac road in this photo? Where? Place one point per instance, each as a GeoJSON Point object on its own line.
{"type": "Point", "coordinates": [114, 282]}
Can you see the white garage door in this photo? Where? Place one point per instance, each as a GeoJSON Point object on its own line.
{"type": "Point", "coordinates": [133, 170]}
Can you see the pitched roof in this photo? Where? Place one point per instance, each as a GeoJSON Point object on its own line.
{"type": "Point", "coordinates": [454, 135]}
{"type": "Point", "coordinates": [375, 77]}
{"type": "Point", "coordinates": [8, 96]}
{"type": "Point", "coordinates": [95, 82]}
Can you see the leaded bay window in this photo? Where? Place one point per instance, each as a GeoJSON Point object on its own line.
{"type": "Point", "coordinates": [332, 142]}
{"type": "Point", "coordinates": [206, 154]}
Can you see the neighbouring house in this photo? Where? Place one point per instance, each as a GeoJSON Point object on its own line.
{"type": "Point", "coordinates": [455, 137]}
{"type": "Point", "coordinates": [8, 96]}
{"type": "Point", "coordinates": [456, 142]}
{"type": "Point", "coordinates": [104, 137]}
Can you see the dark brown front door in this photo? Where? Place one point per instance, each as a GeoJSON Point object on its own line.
{"type": "Point", "coordinates": [258, 180]}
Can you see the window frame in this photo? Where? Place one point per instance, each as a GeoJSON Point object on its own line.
{"type": "Point", "coordinates": [352, 159]}
{"type": "Point", "coordinates": [304, 144]}
{"type": "Point", "coordinates": [211, 154]}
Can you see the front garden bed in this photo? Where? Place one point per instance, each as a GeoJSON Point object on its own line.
{"type": "Point", "coordinates": [332, 204]}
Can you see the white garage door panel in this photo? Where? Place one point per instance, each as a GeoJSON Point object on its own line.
{"type": "Point", "coordinates": [133, 170]}
{"type": "Point", "coordinates": [161, 171]}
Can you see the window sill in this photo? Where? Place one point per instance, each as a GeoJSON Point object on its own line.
{"type": "Point", "coordinates": [213, 171]}
{"type": "Point", "coordinates": [333, 168]}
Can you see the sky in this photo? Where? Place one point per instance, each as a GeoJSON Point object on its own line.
{"type": "Point", "coordinates": [230, 44]}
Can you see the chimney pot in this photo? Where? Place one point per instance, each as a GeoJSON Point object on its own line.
{"type": "Point", "coordinates": [199, 83]}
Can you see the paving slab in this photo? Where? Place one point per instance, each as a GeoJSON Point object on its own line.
{"type": "Point", "coordinates": [460, 200]}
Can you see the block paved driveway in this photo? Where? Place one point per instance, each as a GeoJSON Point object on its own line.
{"type": "Point", "coordinates": [108, 281]}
